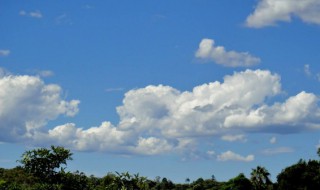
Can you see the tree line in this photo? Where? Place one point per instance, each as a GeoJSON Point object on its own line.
{"type": "Point", "coordinates": [44, 169]}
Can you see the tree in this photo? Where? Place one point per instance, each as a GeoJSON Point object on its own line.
{"type": "Point", "coordinates": [238, 183]}
{"type": "Point", "coordinates": [44, 163]}
{"type": "Point", "coordinates": [318, 151]}
{"type": "Point", "coordinates": [260, 178]}
{"type": "Point", "coordinates": [302, 175]}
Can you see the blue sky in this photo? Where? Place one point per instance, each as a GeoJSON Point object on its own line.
{"type": "Point", "coordinates": [174, 89]}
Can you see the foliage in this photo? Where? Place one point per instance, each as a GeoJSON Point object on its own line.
{"type": "Point", "coordinates": [238, 183]}
{"type": "Point", "coordinates": [42, 170]}
{"type": "Point", "coordinates": [260, 178]}
{"type": "Point", "coordinates": [302, 175]}
{"type": "Point", "coordinates": [43, 163]}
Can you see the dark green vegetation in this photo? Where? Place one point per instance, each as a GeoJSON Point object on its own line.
{"type": "Point", "coordinates": [42, 170]}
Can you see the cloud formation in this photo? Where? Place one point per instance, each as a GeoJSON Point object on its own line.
{"type": "Point", "coordinates": [33, 14]}
{"type": "Point", "coordinates": [232, 138]}
{"type": "Point", "coordinates": [207, 50]}
{"type": "Point", "coordinates": [269, 12]}
{"type": "Point", "coordinates": [4, 52]}
{"type": "Point", "coordinates": [159, 119]}
{"type": "Point", "coordinates": [231, 156]}
{"type": "Point", "coordinates": [27, 104]}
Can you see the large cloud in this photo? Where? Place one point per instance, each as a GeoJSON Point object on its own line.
{"type": "Point", "coordinates": [160, 119]}
{"type": "Point", "coordinates": [268, 12]}
{"type": "Point", "coordinates": [207, 50]}
{"type": "Point", "coordinates": [27, 104]}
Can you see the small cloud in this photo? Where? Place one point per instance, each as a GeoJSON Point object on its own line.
{"type": "Point", "coordinates": [36, 14]}
{"type": "Point", "coordinates": [63, 19]}
{"type": "Point", "coordinates": [4, 52]}
{"type": "Point", "coordinates": [309, 73]}
{"type": "Point", "coordinates": [279, 150]}
{"type": "Point", "coordinates": [114, 89]}
{"type": "Point", "coordinates": [45, 73]}
{"type": "Point", "coordinates": [231, 156]}
{"type": "Point", "coordinates": [23, 13]}
{"type": "Point", "coordinates": [33, 14]}
{"type": "Point", "coordinates": [273, 140]}
{"type": "Point", "coordinates": [232, 138]}
{"type": "Point", "coordinates": [306, 70]}
{"type": "Point", "coordinates": [207, 50]}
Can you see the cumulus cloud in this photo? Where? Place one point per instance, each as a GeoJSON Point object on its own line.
{"type": "Point", "coordinates": [207, 50]}
{"type": "Point", "coordinates": [4, 52]}
{"type": "Point", "coordinates": [27, 104]}
{"type": "Point", "coordinates": [33, 14]}
{"type": "Point", "coordinates": [158, 119]}
{"type": "Point", "coordinates": [231, 156]}
{"type": "Point", "coordinates": [232, 138]}
{"type": "Point", "coordinates": [269, 12]}
{"type": "Point", "coordinates": [278, 150]}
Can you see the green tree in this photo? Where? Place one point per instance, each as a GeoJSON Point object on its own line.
{"type": "Point", "coordinates": [302, 175]}
{"type": "Point", "coordinates": [260, 178]}
{"type": "Point", "coordinates": [44, 163]}
{"type": "Point", "coordinates": [238, 183]}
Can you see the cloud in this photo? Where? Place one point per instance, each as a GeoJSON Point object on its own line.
{"type": "Point", "coordinates": [279, 150]}
{"type": "Point", "coordinates": [63, 19]}
{"type": "Point", "coordinates": [27, 104]}
{"type": "Point", "coordinates": [45, 73]}
{"type": "Point", "coordinates": [309, 73]}
{"type": "Point", "coordinates": [269, 12]}
{"type": "Point", "coordinates": [273, 140]}
{"type": "Point", "coordinates": [158, 119]}
{"type": "Point", "coordinates": [306, 69]}
{"type": "Point", "coordinates": [231, 156]}
{"type": "Point", "coordinates": [33, 14]}
{"type": "Point", "coordinates": [232, 138]}
{"type": "Point", "coordinates": [4, 52]}
{"type": "Point", "coordinates": [207, 50]}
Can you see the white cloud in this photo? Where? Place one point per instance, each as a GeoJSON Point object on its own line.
{"type": "Point", "coordinates": [4, 52]}
{"type": "Point", "coordinates": [278, 150]}
{"type": "Point", "coordinates": [273, 140]}
{"type": "Point", "coordinates": [307, 70]}
{"type": "Point", "coordinates": [158, 119]}
{"type": "Point", "coordinates": [208, 50]}
{"type": "Point", "coordinates": [45, 73]}
{"type": "Point", "coordinates": [33, 14]}
{"type": "Point", "coordinates": [231, 156]}
{"type": "Point", "coordinates": [269, 12]}
{"type": "Point", "coordinates": [309, 73]}
{"type": "Point", "coordinates": [27, 104]}
{"type": "Point", "coordinates": [233, 138]}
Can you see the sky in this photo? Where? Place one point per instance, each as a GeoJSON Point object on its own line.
{"type": "Point", "coordinates": [177, 89]}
